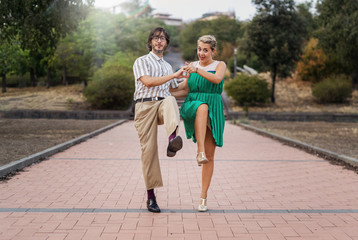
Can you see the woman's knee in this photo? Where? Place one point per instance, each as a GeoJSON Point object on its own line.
{"type": "Point", "coordinates": [203, 109]}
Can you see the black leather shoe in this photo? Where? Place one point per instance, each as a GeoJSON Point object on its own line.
{"type": "Point", "coordinates": [152, 205]}
{"type": "Point", "coordinates": [174, 145]}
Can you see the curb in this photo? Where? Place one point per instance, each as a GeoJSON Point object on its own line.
{"type": "Point", "coordinates": [27, 161]}
{"type": "Point", "coordinates": [292, 116]}
{"type": "Point", "coordinates": [60, 114]}
{"type": "Point", "coordinates": [352, 162]}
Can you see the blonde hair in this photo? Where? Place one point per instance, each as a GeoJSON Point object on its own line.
{"type": "Point", "coordinates": [208, 39]}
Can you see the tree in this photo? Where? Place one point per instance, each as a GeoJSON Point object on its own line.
{"type": "Point", "coordinates": [98, 38]}
{"type": "Point", "coordinates": [66, 58]}
{"type": "Point", "coordinates": [132, 34]}
{"type": "Point", "coordinates": [225, 36]}
{"type": "Point", "coordinates": [310, 21]}
{"type": "Point", "coordinates": [12, 58]}
{"type": "Point", "coordinates": [87, 48]}
{"type": "Point", "coordinates": [189, 37]}
{"type": "Point", "coordinates": [312, 65]}
{"type": "Point", "coordinates": [276, 36]}
{"type": "Point", "coordinates": [338, 33]}
{"type": "Point", "coordinates": [5, 51]}
{"type": "Point", "coordinates": [40, 24]}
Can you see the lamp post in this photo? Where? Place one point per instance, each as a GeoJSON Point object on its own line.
{"type": "Point", "coordinates": [235, 61]}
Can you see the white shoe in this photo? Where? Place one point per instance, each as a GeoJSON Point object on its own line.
{"type": "Point", "coordinates": [202, 207]}
{"type": "Point", "coordinates": [201, 158]}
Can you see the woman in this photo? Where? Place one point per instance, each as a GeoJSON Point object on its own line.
{"type": "Point", "coordinates": [202, 111]}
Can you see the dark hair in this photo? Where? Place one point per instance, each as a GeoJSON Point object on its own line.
{"type": "Point", "coordinates": [151, 36]}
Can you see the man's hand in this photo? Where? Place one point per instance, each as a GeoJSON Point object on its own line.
{"type": "Point", "coordinates": [181, 73]}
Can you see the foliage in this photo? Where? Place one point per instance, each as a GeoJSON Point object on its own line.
{"type": "Point", "coordinates": [6, 50]}
{"type": "Point", "coordinates": [174, 33]}
{"type": "Point", "coordinates": [244, 56]}
{"type": "Point", "coordinates": [132, 34]}
{"type": "Point", "coordinates": [189, 37]}
{"type": "Point", "coordinates": [40, 24]}
{"type": "Point", "coordinates": [14, 81]}
{"type": "Point", "coordinates": [99, 38]}
{"type": "Point", "coordinates": [66, 58]}
{"type": "Point", "coordinates": [12, 59]}
{"type": "Point", "coordinates": [112, 86]}
{"type": "Point", "coordinates": [276, 35]}
{"type": "Point", "coordinates": [248, 90]}
{"type": "Point", "coordinates": [338, 32]}
{"type": "Point", "coordinates": [335, 89]}
{"type": "Point", "coordinates": [225, 36]}
{"type": "Point", "coordinates": [312, 65]}
{"type": "Point", "coordinates": [96, 37]}
{"type": "Point", "coordinates": [88, 47]}
{"type": "Point", "coordinates": [303, 10]}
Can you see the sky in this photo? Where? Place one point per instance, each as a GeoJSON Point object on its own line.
{"type": "Point", "coordinates": [189, 10]}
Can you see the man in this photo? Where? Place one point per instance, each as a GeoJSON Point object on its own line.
{"type": "Point", "coordinates": [155, 106]}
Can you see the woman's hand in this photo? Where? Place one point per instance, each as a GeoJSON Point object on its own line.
{"type": "Point", "coordinates": [215, 78]}
{"type": "Point", "coordinates": [190, 68]}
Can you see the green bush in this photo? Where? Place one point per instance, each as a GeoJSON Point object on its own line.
{"type": "Point", "coordinates": [248, 90]}
{"type": "Point", "coordinates": [14, 81]}
{"type": "Point", "coordinates": [112, 86]}
{"type": "Point", "coordinates": [334, 89]}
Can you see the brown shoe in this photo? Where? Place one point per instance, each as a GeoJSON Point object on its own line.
{"type": "Point", "coordinates": [174, 145]}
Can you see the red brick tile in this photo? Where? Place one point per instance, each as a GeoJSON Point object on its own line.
{"type": "Point", "coordinates": [105, 173]}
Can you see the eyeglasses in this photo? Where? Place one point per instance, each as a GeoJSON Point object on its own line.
{"type": "Point", "coordinates": [162, 39]}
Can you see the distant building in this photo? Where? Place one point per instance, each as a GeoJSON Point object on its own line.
{"type": "Point", "coordinates": [168, 20]}
{"type": "Point", "coordinates": [215, 15]}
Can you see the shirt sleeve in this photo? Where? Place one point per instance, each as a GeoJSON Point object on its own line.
{"type": "Point", "coordinates": [174, 83]}
{"type": "Point", "coordinates": [140, 68]}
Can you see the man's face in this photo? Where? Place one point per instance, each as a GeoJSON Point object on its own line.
{"type": "Point", "coordinates": [159, 43]}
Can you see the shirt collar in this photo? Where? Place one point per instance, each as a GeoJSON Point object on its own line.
{"type": "Point", "coordinates": [155, 56]}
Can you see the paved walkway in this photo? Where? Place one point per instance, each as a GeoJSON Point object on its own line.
{"type": "Point", "coordinates": [261, 189]}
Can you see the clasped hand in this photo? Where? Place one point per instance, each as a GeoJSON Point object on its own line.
{"type": "Point", "coordinates": [184, 72]}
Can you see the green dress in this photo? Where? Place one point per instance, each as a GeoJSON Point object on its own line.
{"type": "Point", "coordinates": [201, 91]}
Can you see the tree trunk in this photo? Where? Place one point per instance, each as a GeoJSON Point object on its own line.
{"type": "Point", "coordinates": [32, 77]}
{"type": "Point", "coordinates": [64, 76]}
{"type": "Point", "coordinates": [21, 81]}
{"type": "Point", "coordinates": [3, 83]}
{"type": "Point", "coordinates": [355, 78]}
{"type": "Point", "coordinates": [273, 76]}
{"type": "Point", "coordinates": [85, 83]}
{"type": "Point", "coordinates": [48, 77]}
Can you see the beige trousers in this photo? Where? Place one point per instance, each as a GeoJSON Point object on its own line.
{"type": "Point", "coordinates": [148, 115]}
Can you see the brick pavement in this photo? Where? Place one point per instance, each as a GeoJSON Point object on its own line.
{"type": "Point", "coordinates": [261, 189]}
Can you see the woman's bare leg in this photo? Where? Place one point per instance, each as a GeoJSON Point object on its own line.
{"type": "Point", "coordinates": [200, 126]}
{"type": "Point", "coordinates": [208, 169]}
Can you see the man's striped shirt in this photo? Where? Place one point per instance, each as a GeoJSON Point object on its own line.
{"type": "Point", "coordinates": [153, 66]}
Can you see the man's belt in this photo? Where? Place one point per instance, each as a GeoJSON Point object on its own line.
{"type": "Point", "coordinates": [149, 99]}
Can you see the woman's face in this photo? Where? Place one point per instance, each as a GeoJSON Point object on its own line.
{"type": "Point", "coordinates": [204, 52]}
